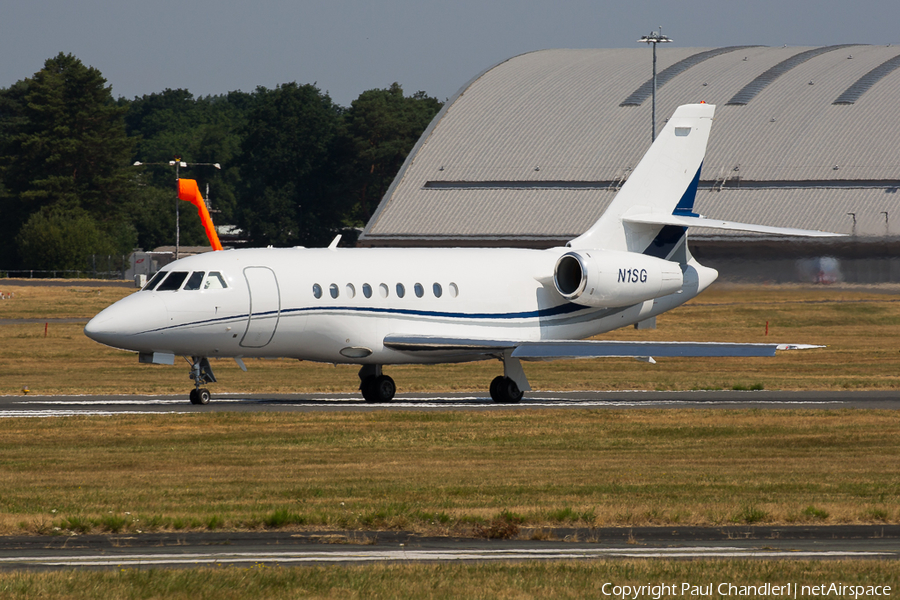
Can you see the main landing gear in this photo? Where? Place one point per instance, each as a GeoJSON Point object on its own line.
{"type": "Point", "coordinates": [508, 388]}
{"type": "Point", "coordinates": [505, 391]}
{"type": "Point", "coordinates": [374, 385]}
{"type": "Point", "coordinates": [201, 373]}
{"type": "Point", "coordinates": [512, 385]}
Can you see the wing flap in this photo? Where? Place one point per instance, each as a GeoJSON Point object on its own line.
{"type": "Point", "coordinates": [428, 343]}
{"type": "Point", "coordinates": [562, 349]}
{"type": "Point", "coordinates": [601, 349]}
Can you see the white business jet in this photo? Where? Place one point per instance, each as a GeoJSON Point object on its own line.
{"type": "Point", "coordinates": [386, 306]}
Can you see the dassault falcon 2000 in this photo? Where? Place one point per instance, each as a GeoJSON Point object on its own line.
{"type": "Point", "coordinates": [385, 306]}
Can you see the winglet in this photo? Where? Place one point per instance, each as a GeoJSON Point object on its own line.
{"type": "Point", "coordinates": [189, 192]}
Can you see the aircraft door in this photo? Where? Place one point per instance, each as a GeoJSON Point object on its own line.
{"type": "Point", "coordinates": [265, 306]}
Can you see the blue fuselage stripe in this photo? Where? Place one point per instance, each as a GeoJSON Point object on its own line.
{"type": "Point", "coordinates": [561, 309]}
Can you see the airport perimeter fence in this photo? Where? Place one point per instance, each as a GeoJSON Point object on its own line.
{"type": "Point", "coordinates": [97, 266]}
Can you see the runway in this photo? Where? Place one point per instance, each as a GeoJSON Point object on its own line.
{"type": "Point", "coordinates": [186, 550]}
{"type": "Point", "coordinates": [60, 406]}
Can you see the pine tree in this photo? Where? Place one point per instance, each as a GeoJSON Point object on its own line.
{"type": "Point", "coordinates": [63, 145]}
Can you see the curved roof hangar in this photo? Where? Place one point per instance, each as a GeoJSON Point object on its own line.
{"type": "Point", "coordinates": [531, 151]}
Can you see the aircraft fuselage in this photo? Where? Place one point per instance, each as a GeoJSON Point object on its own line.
{"type": "Point", "coordinates": [337, 305]}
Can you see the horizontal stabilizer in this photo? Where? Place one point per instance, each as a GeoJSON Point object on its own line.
{"type": "Point", "coordinates": [699, 221]}
{"type": "Point", "coordinates": [560, 349]}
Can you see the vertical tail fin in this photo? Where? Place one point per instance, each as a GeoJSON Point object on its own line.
{"type": "Point", "coordinates": [664, 182]}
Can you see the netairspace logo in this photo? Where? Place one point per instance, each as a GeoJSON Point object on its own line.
{"type": "Point", "coordinates": [786, 590]}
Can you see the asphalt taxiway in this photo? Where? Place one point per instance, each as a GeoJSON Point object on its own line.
{"type": "Point", "coordinates": [341, 547]}
{"type": "Point", "coordinates": [49, 406]}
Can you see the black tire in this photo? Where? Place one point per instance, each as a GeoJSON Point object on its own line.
{"type": "Point", "coordinates": [203, 396]}
{"type": "Point", "coordinates": [365, 386]}
{"type": "Point", "coordinates": [194, 397]}
{"type": "Point", "coordinates": [513, 393]}
{"type": "Point", "coordinates": [505, 391]}
{"type": "Point", "coordinates": [378, 389]}
{"type": "Point", "coordinates": [496, 382]}
{"type": "Point", "coordinates": [385, 388]}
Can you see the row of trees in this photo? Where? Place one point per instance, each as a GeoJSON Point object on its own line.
{"type": "Point", "coordinates": [296, 167]}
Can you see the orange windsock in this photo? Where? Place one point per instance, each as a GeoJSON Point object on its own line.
{"type": "Point", "coordinates": [188, 190]}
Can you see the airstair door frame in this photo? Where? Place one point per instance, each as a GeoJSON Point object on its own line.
{"type": "Point", "coordinates": [265, 306]}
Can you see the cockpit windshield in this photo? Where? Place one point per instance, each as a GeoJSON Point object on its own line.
{"type": "Point", "coordinates": [154, 281]}
{"type": "Point", "coordinates": [193, 282]}
{"type": "Point", "coordinates": [168, 281]}
{"type": "Point", "coordinates": [215, 281]}
{"type": "Point", "coordinates": [172, 282]}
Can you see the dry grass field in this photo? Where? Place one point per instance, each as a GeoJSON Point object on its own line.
{"type": "Point", "coordinates": [563, 580]}
{"type": "Point", "coordinates": [459, 473]}
{"type": "Point", "coordinates": [859, 325]}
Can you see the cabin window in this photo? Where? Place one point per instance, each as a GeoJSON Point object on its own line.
{"type": "Point", "coordinates": [351, 290]}
{"type": "Point", "coordinates": [438, 291]}
{"type": "Point", "coordinates": [682, 131]}
{"type": "Point", "coordinates": [420, 291]}
{"type": "Point", "coordinates": [401, 291]}
{"type": "Point", "coordinates": [383, 290]}
{"type": "Point", "coordinates": [173, 281]}
{"type": "Point", "coordinates": [334, 291]}
{"type": "Point", "coordinates": [194, 281]}
{"type": "Point", "coordinates": [215, 281]}
{"type": "Point", "coordinates": [453, 289]}
{"type": "Point", "coordinates": [367, 290]}
{"type": "Point", "coordinates": [317, 290]}
{"type": "Point", "coordinates": [155, 280]}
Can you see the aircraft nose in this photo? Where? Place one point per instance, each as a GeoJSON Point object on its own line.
{"type": "Point", "coordinates": [106, 326]}
{"type": "Point", "coordinates": [100, 327]}
{"type": "Point", "coordinates": [119, 325]}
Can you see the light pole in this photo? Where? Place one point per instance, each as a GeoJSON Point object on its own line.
{"type": "Point", "coordinates": [654, 38]}
{"type": "Point", "coordinates": [178, 163]}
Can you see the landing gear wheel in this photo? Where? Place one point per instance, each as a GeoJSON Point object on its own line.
{"type": "Point", "coordinates": [201, 373]}
{"type": "Point", "coordinates": [200, 396]}
{"type": "Point", "coordinates": [378, 389]}
{"type": "Point", "coordinates": [505, 391]}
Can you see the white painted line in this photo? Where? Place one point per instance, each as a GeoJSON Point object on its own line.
{"type": "Point", "coordinates": [9, 414]}
{"type": "Point", "coordinates": [430, 403]}
{"type": "Point", "coordinates": [425, 555]}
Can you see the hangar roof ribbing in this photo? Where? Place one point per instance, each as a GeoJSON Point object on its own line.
{"type": "Point", "coordinates": [533, 146]}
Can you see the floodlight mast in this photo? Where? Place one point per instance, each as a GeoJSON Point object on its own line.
{"type": "Point", "coordinates": [655, 37]}
{"type": "Point", "coordinates": [178, 163]}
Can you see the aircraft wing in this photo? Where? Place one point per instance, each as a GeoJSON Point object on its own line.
{"type": "Point", "coordinates": [560, 349]}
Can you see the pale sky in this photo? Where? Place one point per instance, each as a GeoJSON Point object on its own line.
{"type": "Point", "coordinates": [349, 46]}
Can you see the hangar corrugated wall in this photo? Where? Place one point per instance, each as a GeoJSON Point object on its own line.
{"type": "Point", "coordinates": [532, 150]}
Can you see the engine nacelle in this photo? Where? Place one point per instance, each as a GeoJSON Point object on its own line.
{"type": "Point", "coordinates": [609, 278]}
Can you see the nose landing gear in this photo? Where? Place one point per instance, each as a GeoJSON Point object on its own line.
{"type": "Point", "coordinates": [201, 373]}
{"type": "Point", "coordinates": [200, 396]}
